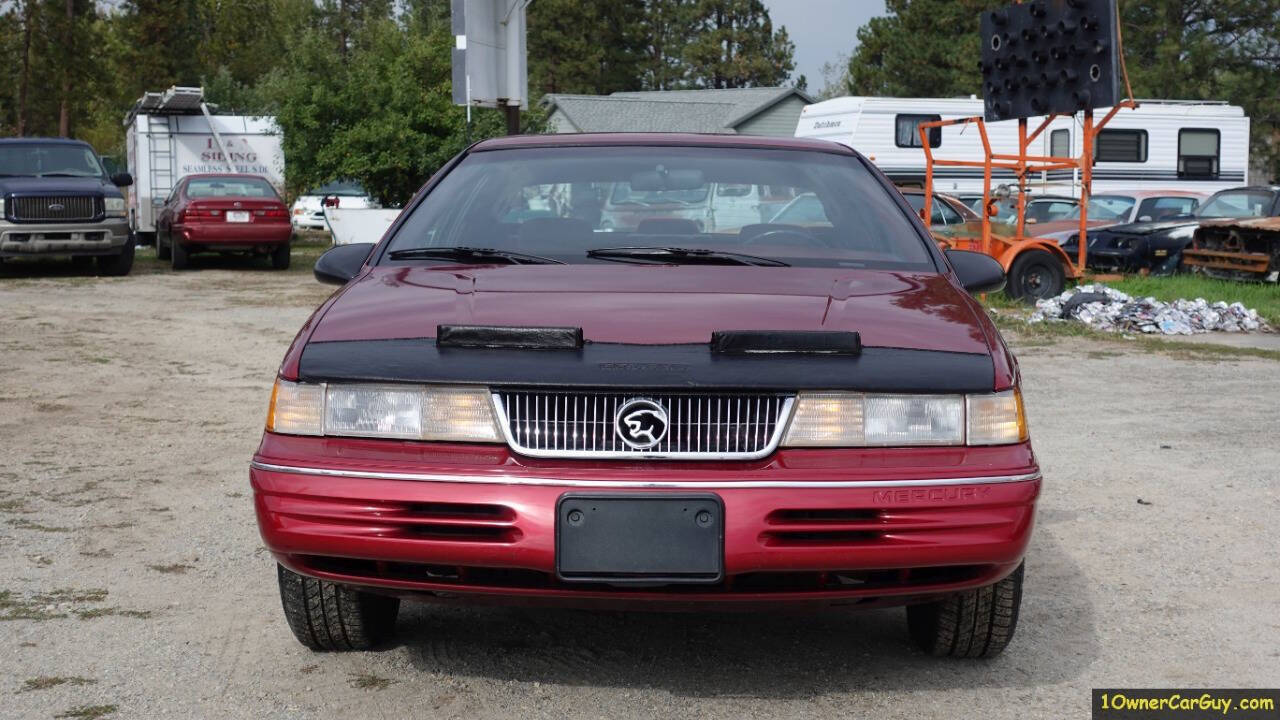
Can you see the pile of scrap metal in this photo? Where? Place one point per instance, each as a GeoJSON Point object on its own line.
{"type": "Point", "coordinates": [1104, 308]}
{"type": "Point", "coordinates": [1245, 249]}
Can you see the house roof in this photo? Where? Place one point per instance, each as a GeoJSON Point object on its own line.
{"type": "Point", "coordinates": [705, 111]}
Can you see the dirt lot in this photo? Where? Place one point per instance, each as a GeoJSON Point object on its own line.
{"type": "Point", "coordinates": [133, 583]}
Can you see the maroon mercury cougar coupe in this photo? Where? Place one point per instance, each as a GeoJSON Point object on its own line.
{"type": "Point", "coordinates": [508, 401]}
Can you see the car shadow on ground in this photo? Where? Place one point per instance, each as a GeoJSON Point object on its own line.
{"type": "Point", "coordinates": [776, 655]}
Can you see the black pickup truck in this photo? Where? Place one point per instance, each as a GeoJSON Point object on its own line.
{"type": "Point", "coordinates": [56, 199]}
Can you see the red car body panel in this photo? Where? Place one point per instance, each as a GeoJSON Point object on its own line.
{"type": "Point", "coordinates": [478, 520]}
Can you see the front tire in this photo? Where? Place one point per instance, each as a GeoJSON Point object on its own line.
{"type": "Point", "coordinates": [117, 265]}
{"type": "Point", "coordinates": [328, 616]}
{"type": "Point", "coordinates": [1035, 275]}
{"type": "Point", "coordinates": [280, 257]}
{"type": "Point", "coordinates": [975, 623]}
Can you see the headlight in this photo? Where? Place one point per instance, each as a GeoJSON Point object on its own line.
{"type": "Point", "coordinates": [408, 412]}
{"type": "Point", "coordinates": [1182, 233]}
{"type": "Point", "coordinates": [114, 206]}
{"type": "Point", "coordinates": [851, 420]}
{"type": "Point", "coordinates": [1, 207]}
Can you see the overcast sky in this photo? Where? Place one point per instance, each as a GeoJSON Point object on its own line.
{"type": "Point", "coordinates": [821, 30]}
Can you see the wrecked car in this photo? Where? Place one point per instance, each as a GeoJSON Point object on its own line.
{"type": "Point", "coordinates": [1158, 246]}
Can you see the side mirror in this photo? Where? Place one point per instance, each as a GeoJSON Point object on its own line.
{"type": "Point", "coordinates": [1032, 221]}
{"type": "Point", "coordinates": [977, 272]}
{"type": "Point", "coordinates": [339, 264]}
{"type": "Point", "coordinates": [122, 179]}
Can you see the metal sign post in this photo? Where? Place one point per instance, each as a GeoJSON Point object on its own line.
{"type": "Point", "coordinates": [489, 60]}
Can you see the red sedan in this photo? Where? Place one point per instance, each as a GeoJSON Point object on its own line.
{"type": "Point", "coordinates": [223, 213]}
{"type": "Point", "coordinates": [507, 402]}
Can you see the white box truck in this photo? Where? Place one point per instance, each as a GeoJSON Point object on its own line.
{"type": "Point", "coordinates": [175, 133]}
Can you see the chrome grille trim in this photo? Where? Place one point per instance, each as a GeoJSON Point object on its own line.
{"type": "Point", "coordinates": [35, 208]}
{"type": "Point", "coordinates": [702, 426]}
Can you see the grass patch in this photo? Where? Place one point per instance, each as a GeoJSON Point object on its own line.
{"type": "Point", "coordinates": [88, 711]}
{"type": "Point", "coordinates": [72, 595]}
{"type": "Point", "coordinates": [1263, 297]}
{"type": "Point", "coordinates": [172, 569]}
{"type": "Point", "coordinates": [25, 524]}
{"type": "Point", "coordinates": [15, 608]}
{"type": "Point", "coordinates": [44, 683]}
{"type": "Point", "coordinates": [369, 681]}
{"type": "Point", "coordinates": [92, 613]}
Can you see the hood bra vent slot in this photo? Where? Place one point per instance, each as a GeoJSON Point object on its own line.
{"type": "Point", "coordinates": [786, 341]}
{"type": "Point", "coordinates": [501, 336]}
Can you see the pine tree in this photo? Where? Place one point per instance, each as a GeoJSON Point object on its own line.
{"type": "Point", "coordinates": [736, 46]}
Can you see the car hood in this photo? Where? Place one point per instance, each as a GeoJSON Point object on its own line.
{"type": "Point", "coordinates": [658, 304]}
{"type": "Point", "coordinates": [1056, 228]}
{"type": "Point", "coordinates": [1147, 228]}
{"type": "Point", "coordinates": [57, 185]}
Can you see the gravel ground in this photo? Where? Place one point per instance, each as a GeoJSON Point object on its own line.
{"type": "Point", "coordinates": [133, 582]}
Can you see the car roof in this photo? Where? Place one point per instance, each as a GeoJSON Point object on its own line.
{"type": "Point", "coordinates": [223, 175]}
{"type": "Point", "coordinates": [42, 141]}
{"type": "Point", "coordinates": [660, 140]}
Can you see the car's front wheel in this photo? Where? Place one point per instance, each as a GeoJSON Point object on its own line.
{"type": "Point", "coordinates": [117, 265]}
{"type": "Point", "coordinates": [329, 616]}
{"type": "Point", "coordinates": [975, 623]}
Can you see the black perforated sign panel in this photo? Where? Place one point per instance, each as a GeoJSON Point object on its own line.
{"type": "Point", "coordinates": [1049, 56]}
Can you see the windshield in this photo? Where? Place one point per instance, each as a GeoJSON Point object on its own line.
{"type": "Point", "coordinates": [230, 187]}
{"type": "Point", "coordinates": [53, 159]}
{"type": "Point", "coordinates": [559, 203]}
{"type": "Point", "coordinates": [1236, 204]}
{"type": "Point", "coordinates": [1107, 207]}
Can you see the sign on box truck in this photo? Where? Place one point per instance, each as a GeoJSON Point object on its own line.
{"type": "Point", "coordinates": [164, 148]}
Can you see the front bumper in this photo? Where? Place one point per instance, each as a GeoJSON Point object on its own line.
{"type": "Point", "coordinates": [864, 527]}
{"type": "Point", "coordinates": [105, 237]}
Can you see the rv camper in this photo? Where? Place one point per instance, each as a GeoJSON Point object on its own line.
{"type": "Point", "coordinates": [1164, 144]}
{"type": "Point", "coordinates": [174, 133]}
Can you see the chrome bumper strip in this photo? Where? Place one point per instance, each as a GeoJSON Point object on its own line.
{"type": "Point", "coordinates": [642, 484]}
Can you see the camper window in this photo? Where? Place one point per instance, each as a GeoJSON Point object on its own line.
{"type": "Point", "coordinates": [1198, 153]}
{"type": "Point", "coordinates": [906, 134]}
{"type": "Point", "coordinates": [1060, 143]}
{"type": "Point", "coordinates": [1122, 146]}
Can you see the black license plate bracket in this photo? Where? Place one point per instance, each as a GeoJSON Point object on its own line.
{"type": "Point", "coordinates": [640, 538]}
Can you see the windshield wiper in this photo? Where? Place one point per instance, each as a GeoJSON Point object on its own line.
{"type": "Point", "coordinates": [680, 255]}
{"type": "Point", "coordinates": [475, 254]}
{"type": "Point", "coordinates": [63, 174]}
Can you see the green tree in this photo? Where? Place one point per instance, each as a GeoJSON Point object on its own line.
{"type": "Point", "coordinates": [383, 115]}
{"type": "Point", "coordinates": [584, 46]}
{"type": "Point", "coordinates": [922, 48]}
{"type": "Point", "coordinates": [666, 29]}
{"type": "Point", "coordinates": [735, 46]}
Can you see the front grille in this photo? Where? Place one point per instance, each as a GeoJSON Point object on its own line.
{"type": "Point", "coordinates": [56, 208]}
{"type": "Point", "coordinates": [700, 426]}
